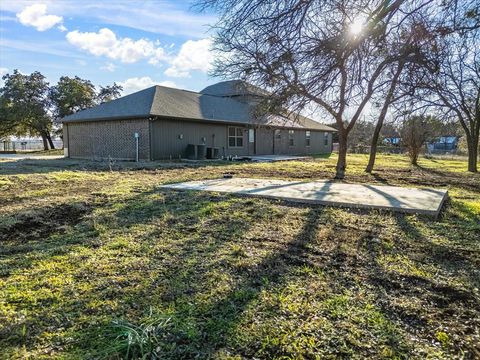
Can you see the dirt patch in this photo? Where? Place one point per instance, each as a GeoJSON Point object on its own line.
{"type": "Point", "coordinates": [41, 222]}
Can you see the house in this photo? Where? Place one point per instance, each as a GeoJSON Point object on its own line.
{"type": "Point", "coordinates": [393, 140]}
{"type": "Point", "coordinates": [170, 123]}
{"type": "Point", "coordinates": [443, 144]}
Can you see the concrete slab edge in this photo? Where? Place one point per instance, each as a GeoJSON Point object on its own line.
{"type": "Point", "coordinates": [433, 213]}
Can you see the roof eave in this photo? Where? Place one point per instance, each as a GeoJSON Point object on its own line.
{"type": "Point", "coordinates": [64, 120]}
{"type": "Point", "coordinates": [216, 121]}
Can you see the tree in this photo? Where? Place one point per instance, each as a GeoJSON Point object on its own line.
{"type": "Point", "coordinates": [7, 122]}
{"type": "Point", "coordinates": [330, 53]}
{"type": "Point", "coordinates": [430, 27]}
{"type": "Point", "coordinates": [71, 95]}
{"type": "Point", "coordinates": [361, 134]}
{"type": "Point", "coordinates": [415, 132]}
{"type": "Point", "coordinates": [455, 89]}
{"type": "Point", "coordinates": [25, 103]}
{"type": "Point", "coordinates": [109, 93]}
{"type": "Point", "coordinates": [74, 94]}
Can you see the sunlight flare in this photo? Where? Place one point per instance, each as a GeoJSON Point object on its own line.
{"type": "Point", "coordinates": [356, 27]}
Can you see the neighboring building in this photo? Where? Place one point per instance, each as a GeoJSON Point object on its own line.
{"type": "Point", "coordinates": [394, 140]}
{"type": "Point", "coordinates": [443, 144]}
{"type": "Point", "coordinates": [168, 121]}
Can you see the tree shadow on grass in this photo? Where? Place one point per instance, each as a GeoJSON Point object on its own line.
{"type": "Point", "coordinates": [226, 312]}
{"type": "Point", "coordinates": [184, 232]}
{"type": "Point", "coordinates": [446, 304]}
{"type": "Point", "coordinates": [206, 329]}
{"type": "Point", "coordinates": [45, 240]}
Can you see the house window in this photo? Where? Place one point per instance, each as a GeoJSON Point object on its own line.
{"type": "Point", "coordinates": [235, 137]}
{"type": "Point", "coordinates": [325, 139]}
{"type": "Point", "coordinates": [307, 138]}
{"type": "Point", "coordinates": [291, 134]}
{"type": "Point", "coordinates": [251, 135]}
{"type": "Point", "coordinates": [278, 134]}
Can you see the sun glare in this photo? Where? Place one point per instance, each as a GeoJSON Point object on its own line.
{"type": "Point", "coordinates": [356, 27]}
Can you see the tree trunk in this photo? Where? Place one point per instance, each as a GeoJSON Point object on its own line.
{"type": "Point", "coordinates": [45, 142]}
{"type": "Point", "coordinates": [373, 147]}
{"type": "Point", "coordinates": [342, 153]}
{"type": "Point", "coordinates": [381, 118]}
{"type": "Point", "coordinates": [50, 141]}
{"type": "Point", "coordinates": [472, 144]}
{"type": "Point", "coordinates": [414, 159]}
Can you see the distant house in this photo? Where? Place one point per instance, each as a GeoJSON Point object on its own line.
{"type": "Point", "coordinates": [443, 144]}
{"type": "Point", "coordinates": [394, 140]}
{"type": "Point", "coordinates": [168, 123]}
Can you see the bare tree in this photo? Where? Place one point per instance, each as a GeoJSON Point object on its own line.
{"type": "Point", "coordinates": [455, 89]}
{"type": "Point", "coordinates": [331, 53]}
{"type": "Point", "coordinates": [415, 132]}
{"type": "Point", "coordinates": [450, 85]}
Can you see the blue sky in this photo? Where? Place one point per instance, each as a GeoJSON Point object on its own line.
{"type": "Point", "coordinates": [132, 42]}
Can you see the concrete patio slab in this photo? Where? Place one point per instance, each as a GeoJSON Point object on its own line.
{"type": "Point", "coordinates": [394, 198]}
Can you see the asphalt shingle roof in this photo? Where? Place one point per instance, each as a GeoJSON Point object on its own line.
{"type": "Point", "coordinates": [183, 104]}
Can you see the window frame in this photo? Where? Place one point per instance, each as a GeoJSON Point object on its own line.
{"type": "Point", "coordinates": [277, 134]}
{"type": "Point", "coordinates": [308, 137]}
{"type": "Point", "coordinates": [236, 136]}
{"type": "Point", "coordinates": [325, 139]}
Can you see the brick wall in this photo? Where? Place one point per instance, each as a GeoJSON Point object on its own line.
{"type": "Point", "coordinates": [104, 139]}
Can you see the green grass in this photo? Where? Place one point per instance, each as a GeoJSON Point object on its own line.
{"type": "Point", "coordinates": [104, 264]}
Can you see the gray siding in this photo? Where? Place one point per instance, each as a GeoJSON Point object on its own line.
{"type": "Point", "coordinates": [169, 139]}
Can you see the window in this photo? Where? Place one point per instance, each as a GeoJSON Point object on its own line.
{"type": "Point", "coordinates": [251, 135]}
{"type": "Point", "coordinates": [278, 134]}
{"type": "Point", "coordinates": [325, 138]}
{"type": "Point", "coordinates": [291, 134]}
{"type": "Point", "coordinates": [307, 138]}
{"type": "Point", "coordinates": [235, 137]}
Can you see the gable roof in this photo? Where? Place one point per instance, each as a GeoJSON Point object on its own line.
{"type": "Point", "coordinates": [169, 102]}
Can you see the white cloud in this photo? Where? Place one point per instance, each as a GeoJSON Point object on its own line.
{"type": "Point", "coordinates": [106, 43]}
{"type": "Point", "coordinates": [62, 28]}
{"type": "Point", "coordinates": [36, 15]}
{"type": "Point", "coordinates": [160, 17]}
{"type": "Point", "coordinates": [139, 83]}
{"type": "Point", "coordinates": [109, 67]}
{"type": "Point", "coordinates": [193, 55]}
{"type": "Point", "coordinates": [3, 71]}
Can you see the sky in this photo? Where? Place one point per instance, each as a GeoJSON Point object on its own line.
{"type": "Point", "coordinates": [136, 43]}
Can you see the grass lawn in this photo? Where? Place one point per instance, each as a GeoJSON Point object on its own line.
{"type": "Point", "coordinates": [95, 254]}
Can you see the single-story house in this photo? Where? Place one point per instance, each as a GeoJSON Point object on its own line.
{"type": "Point", "coordinates": [443, 144]}
{"type": "Point", "coordinates": [168, 123]}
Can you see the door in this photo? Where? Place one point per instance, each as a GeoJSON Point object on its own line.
{"type": "Point", "coordinates": [263, 141]}
{"type": "Point", "coordinates": [251, 142]}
